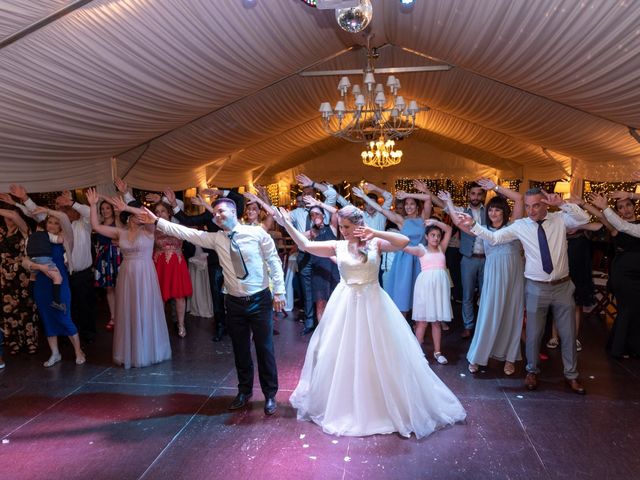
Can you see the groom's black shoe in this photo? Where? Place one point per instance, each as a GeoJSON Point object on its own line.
{"type": "Point", "coordinates": [270, 406]}
{"type": "Point", "coordinates": [240, 401]}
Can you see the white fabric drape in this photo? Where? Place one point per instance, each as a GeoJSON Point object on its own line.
{"type": "Point", "coordinates": [174, 86]}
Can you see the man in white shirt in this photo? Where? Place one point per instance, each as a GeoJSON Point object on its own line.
{"type": "Point", "coordinates": [249, 259]}
{"type": "Point", "coordinates": [548, 285]}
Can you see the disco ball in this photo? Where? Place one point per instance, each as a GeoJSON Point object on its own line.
{"type": "Point", "coordinates": [355, 19]}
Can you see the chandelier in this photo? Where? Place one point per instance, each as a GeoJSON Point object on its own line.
{"type": "Point", "coordinates": [368, 113]}
{"type": "Point", "coordinates": [381, 153]}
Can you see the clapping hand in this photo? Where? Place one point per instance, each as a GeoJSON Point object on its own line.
{"type": "Point", "coordinates": [92, 196]}
{"type": "Point", "coordinates": [486, 183]}
{"type": "Point", "coordinates": [598, 201]}
{"type": "Point", "coordinates": [364, 233]}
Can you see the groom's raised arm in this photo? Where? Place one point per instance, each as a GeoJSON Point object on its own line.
{"type": "Point", "coordinates": [197, 237]}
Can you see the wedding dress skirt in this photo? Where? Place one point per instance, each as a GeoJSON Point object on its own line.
{"type": "Point", "coordinates": [364, 371]}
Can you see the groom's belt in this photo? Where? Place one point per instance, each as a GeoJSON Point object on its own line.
{"type": "Point", "coordinates": [249, 298]}
{"type": "Point", "coordinates": [554, 282]}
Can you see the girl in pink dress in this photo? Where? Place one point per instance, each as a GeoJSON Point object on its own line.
{"type": "Point", "coordinates": [432, 292]}
{"type": "Point", "coordinates": [172, 269]}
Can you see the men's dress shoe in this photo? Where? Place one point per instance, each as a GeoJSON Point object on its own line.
{"type": "Point", "coordinates": [576, 386]}
{"type": "Point", "coordinates": [270, 406]}
{"type": "Point", "coordinates": [306, 331]}
{"type": "Point", "coordinates": [531, 381]}
{"type": "Point", "coordinates": [240, 401]}
{"type": "Point", "coordinates": [466, 333]}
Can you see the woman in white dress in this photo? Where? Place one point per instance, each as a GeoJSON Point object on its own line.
{"type": "Point", "coordinates": [364, 371]}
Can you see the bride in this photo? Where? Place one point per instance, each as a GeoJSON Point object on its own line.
{"type": "Point", "coordinates": [364, 371]}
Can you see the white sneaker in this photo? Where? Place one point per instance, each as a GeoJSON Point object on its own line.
{"type": "Point", "coordinates": [53, 359]}
{"type": "Point", "coordinates": [553, 342]}
{"type": "Point", "coordinates": [440, 358]}
{"type": "Point", "coordinates": [578, 345]}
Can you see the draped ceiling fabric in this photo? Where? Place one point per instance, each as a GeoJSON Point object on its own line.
{"type": "Point", "coordinates": [186, 92]}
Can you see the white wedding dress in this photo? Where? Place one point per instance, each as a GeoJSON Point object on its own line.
{"type": "Point", "coordinates": [364, 371]}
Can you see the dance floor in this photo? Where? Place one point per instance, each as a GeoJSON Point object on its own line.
{"type": "Point", "coordinates": [97, 421]}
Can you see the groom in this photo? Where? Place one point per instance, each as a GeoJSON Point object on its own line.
{"type": "Point", "coordinates": [249, 258]}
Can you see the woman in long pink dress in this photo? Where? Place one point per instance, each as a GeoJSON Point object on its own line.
{"type": "Point", "coordinates": [140, 335]}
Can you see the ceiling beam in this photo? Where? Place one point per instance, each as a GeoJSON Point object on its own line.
{"type": "Point", "coordinates": [58, 14]}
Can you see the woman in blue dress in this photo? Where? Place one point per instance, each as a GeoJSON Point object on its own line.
{"type": "Point", "coordinates": [56, 322]}
{"type": "Point", "coordinates": [501, 310]}
{"type": "Point", "coordinates": [406, 268]}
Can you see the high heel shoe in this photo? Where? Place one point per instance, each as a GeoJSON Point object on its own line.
{"type": "Point", "coordinates": [182, 332]}
{"type": "Point", "coordinates": [81, 360]}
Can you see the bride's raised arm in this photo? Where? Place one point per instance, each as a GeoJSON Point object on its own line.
{"type": "Point", "coordinates": [319, 249]}
{"type": "Point", "coordinates": [388, 241]}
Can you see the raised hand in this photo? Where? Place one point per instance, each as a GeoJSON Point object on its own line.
{"type": "Point", "coordinates": [303, 180]}
{"type": "Point", "coordinates": [92, 196]}
{"type": "Point", "coordinates": [212, 192]}
{"type": "Point", "coordinates": [576, 199]}
{"type": "Point", "coordinates": [19, 192]}
{"type": "Point", "coordinates": [486, 183]}
{"type": "Point", "coordinates": [620, 195]}
{"type": "Point", "coordinates": [281, 215]}
{"type": "Point", "coordinates": [551, 199]}
{"type": "Point", "coordinates": [252, 198]}
{"type": "Point", "coordinates": [421, 187]}
{"type": "Point", "coordinates": [40, 211]}
{"type": "Point", "coordinates": [599, 201]}
{"type": "Point", "coordinates": [310, 201]}
{"type": "Point", "coordinates": [146, 216]}
{"type": "Point", "coordinates": [198, 201]}
{"type": "Point", "coordinates": [358, 192]}
{"type": "Point", "coordinates": [171, 197]}
{"type": "Point", "coordinates": [118, 204]}
{"type": "Point", "coordinates": [262, 194]}
{"type": "Point", "coordinates": [430, 221]}
{"type": "Point", "coordinates": [153, 197]}
{"type": "Point", "coordinates": [364, 233]}
{"type": "Point", "coordinates": [401, 195]}
{"type": "Point", "coordinates": [64, 200]}
{"type": "Point", "coordinates": [465, 219]}
{"type": "Point", "coordinates": [6, 198]}
{"type": "Point", "coordinates": [444, 196]}
{"type": "Point", "coordinates": [121, 185]}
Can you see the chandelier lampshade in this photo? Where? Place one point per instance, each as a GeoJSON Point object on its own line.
{"type": "Point", "coordinates": [381, 153]}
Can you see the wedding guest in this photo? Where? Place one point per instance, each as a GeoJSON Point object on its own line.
{"type": "Point", "coordinates": [548, 285]}
{"type": "Point", "coordinates": [140, 336]}
{"type": "Point", "coordinates": [108, 260]}
{"type": "Point", "coordinates": [249, 260]}
{"type": "Point", "coordinates": [19, 321]}
{"type": "Point", "coordinates": [624, 272]}
{"type": "Point", "coordinates": [501, 310]}
{"type": "Point", "coordinates": [473, 257]}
